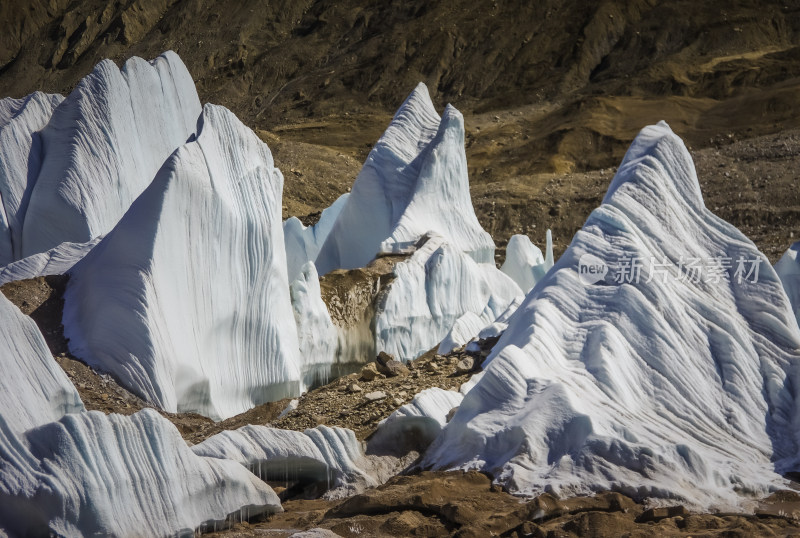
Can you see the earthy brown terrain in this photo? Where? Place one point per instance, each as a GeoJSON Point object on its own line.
{"type": "Point", "coordinates": [552, 91]}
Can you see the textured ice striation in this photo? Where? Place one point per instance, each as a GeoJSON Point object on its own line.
{"type": "Point", "coordinates": [414, 181]}
{"type": "Point", "coordinates": [20, 158]}
{"type": "Point", "coordinates": [316, 333]}
{"type": "Point", "coordinates": [416, 424]}
{"type": "Point", "coordinates": [332, 456]}
{"type": "Point", "coordinates": [102, 147]}
{"type": "Point", "coordinates": [303, 242]}
{"type": "Point", "coordinates": [71, 473]}
{"type": "Point", "coordinates": [55, 261]}
{"type": "Point", "coordinates": [525, 263]}
{"type": "Point", "coordinates": [435, 287]}
{"type": "Point", "coordinates": [671, 386]}
{"type": "Point", "coordinates": [788, 269]}
{"type": "Point", "coordinates": [34, 390]}
{"type": "Point", "coordinates": [186, 301]}
{"type": "Point", "coordinates": [91, 474]}
{"type": "Point", "coordinates": [484, 325]}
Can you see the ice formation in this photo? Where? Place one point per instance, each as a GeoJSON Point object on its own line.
{"type": "Point", "coordinates": [55, 261]}
{"type": "Point", "coordinates": [103, 145]}
{"type": "Point", "coordinates": [418, 165]}
{"type": "Point", "coordinates": [671, 386]}
{"type": "Point", "coordinates": [73, 473]}
{"type": "Point", "coordinates": [486, 324]}
{"type": "Point", "coordinates": [435, 287]}
{"type": "Point", "coordinates": [34, 390]}
{"type": "Point", "coordinates": [186, 301]}
{"type": "Point", "coordinates": [91, 474]}
{"type": "Point", "coordinates": [524, 261]}
{"type": "Point", "coordinates": [416, 424]}
{"type": "Point", "coordinates": [788, 269]}
{"type": "Point", "coordinates": [303, 242]}
{"type": "Point", "coordinates": [330, 455]}
{"type": "Point", "coordinates": [20, 157]}
{"type": "Point", "coordinates": [316, 333]}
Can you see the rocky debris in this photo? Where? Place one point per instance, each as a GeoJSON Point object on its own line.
{"type": "Point", "coordinates": [370, 373]}
{"type": "Point", "coordinates": [390, 366]}
{"type": "Point", "coordinates": [466, 365]}
{"type": "Point", "coordinates": [451, 413]}
{"type": "Point", "coordinates": [657, 514]}
{"type": "Point", "coordinates": [375, 396]}
{"type": "Point", "coordinates": [353, 387]}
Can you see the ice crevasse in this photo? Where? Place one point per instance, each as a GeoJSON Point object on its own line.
{"type": "Point", "coordinates": [677, 386]}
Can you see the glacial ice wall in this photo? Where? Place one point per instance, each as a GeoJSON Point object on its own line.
{"type": "Point", "coordinates": [102, 147]}
{"type": "Point", "coordinates": [435, 287]}
{"type": "Point", "coordinates": [524, 261]}
{"type": "Point", "coordinates": [677, 383]}
{"type": "Point", "coordinates": [417, 165]}
{"type": "Point", "coordinates": [20, 158]}
{"type": "Point", "coordinates": [186, 301]}
{"type": "Point", "coordinates": [34, 390]}
{"type": "Point", "coordinates": [90, 474]}
{"type": "Point", "coordinates": [316, 333]}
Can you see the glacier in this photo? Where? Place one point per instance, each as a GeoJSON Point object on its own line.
{"type": "Point", "coordinates": [524, 261]}
{"type": "Point", "coordinates": [332, 456]}
{"type": "Point", "coordinates": [20, 159]}
{"type": "Point", "coordinates": [417, 163]}
{"type": "Point", "coordinates": [102, 147]}
{"type": "Point", "coordinates": [77, 473]}
{"type": "Point", "coordinates": [414, 426]}
{"type": "Point", "coordinates": [431, 290]}
{"type": "Point", "coordinates": [56, 261]}
{"type": "Point", "coordinates": [318, 337]}
{"type": "Point", "coordinates": [788, 269]}
{"type": "Point", "coordinates": [304, 242]}
{"type": "Point", "coordinates": [487, 324]}
{"type": "Point", "coordinates": [186, 301]}
{"type": "Point", "coordinates": [666, 386]}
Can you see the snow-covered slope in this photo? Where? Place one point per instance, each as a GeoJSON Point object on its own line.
{"type": "Point", "coordinates": [414, 181]}
{"type": "Point", "coordinates": [55, 261]}
{"type": "Point", "coordinates": [662, 386]}
{"type": "Point", "coordinates": [33, 389]}
{"type": "Point", "coordinates": [103, 146]}
{"type": "Point", "coordinates": [91, 474]}
{"type": "Point", "coordinates": [416, 424]}
{"type": "Point", "coordinates": [186, 301]}
{"type": "Point", "coordinates": [303, 242]}
{"type": "Point", "coordinates": [20, 157]}
{"type": "Point", "coordinates": [524, 261]}
{"type": "Point", "coordinates": [435, 287]}
{"type": "Point", "coordinates": [788, 269]}
{"type": "Point", "coordinates": [321, 454]}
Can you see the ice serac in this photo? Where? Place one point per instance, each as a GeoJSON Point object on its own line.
{"type": "Point", "coordinates": [34, 390]}
{"type": "Point", "coordinates": [431, 290]}
{"type": "Point", "coordinates": [416, 424]}
{"type": "Point", "coordinates": [788, 269]}
{"type": "Point", "coordinates": [20, 158]}
{"type": "Point", "coordinates": [672, 386]}
{"type": "Point", "coordinates": [90, 474]}
{"type": "Point", "coordinates": [55, 261]}
{"type": "Point", "coordinates": [103, 146]}
{"type": "Point", "coordinates": [316, 333]}
{"type": "Point", "coordinates": [414, 181]}
{"type": "Point", "coordinates": [303, 242]}
{"type": "Point", "coordinates": [186, 301]}
{"type": "Point", "coordinates": [332, 456]}
{"type": "Point", "coordinates": [487, 324]}
{"type": "Point", "coordinates": [524, 261]}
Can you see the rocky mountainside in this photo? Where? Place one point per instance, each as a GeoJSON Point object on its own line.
{"type": "Point", "coordinates": [550, 90]}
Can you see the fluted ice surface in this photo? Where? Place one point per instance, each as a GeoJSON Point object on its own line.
{"type": "Point", "coordinates": [303, 242]}
{"type": "Point", "coordinates": [56, 261]}
{"type": "Point", "coordinates": [524, 261]}
{"type": "Point", "coordinates": [186, 301]}
{"type": "Point", "coordinates": [788, 269]}
{"type": "Point", "coordinates": [673, 384]}
{"type": "Point", "coordinates": [103, 145]}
